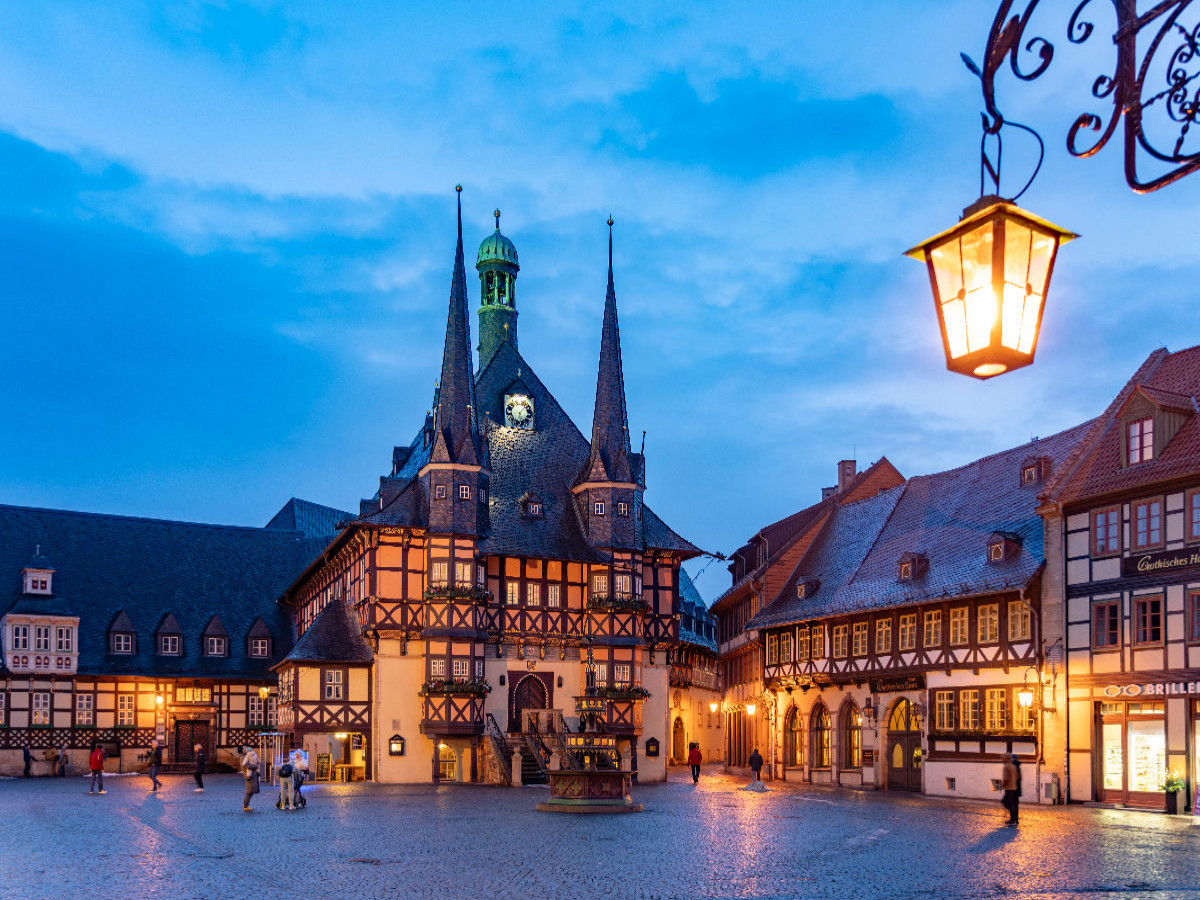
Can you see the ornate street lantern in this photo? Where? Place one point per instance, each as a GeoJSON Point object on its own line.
{"type": "Point", "coordinates": [712, 707]}
{"type": "Point", "coordinates": [751, 708]}
{"type": "Point", "coordinates": [990, 274]}
{"type": "Point", "coordinates": [1025, 697]}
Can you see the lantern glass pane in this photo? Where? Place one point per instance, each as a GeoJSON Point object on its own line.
{"type": "Point", "coordinates": [954, 315]}
{"type": "Point", "coordinates": [980, 298]}
{"type": "Point", "coordinates": [1016, 252]}
{"type": "Point", "coordinates": [947, 266]}
{"type": "Point", "coordinates": [1040, 256]}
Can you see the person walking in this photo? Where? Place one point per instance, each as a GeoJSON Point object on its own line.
{"type": "Point", "coordinates": [249, 769]}
{"type": "Point", "coordinates": [756, 764]}
{"type": "Point", "coordinates": [62, 762]}
{"type": "Point", "coordinates": [96, 767]}
{"type": "Point", "coordinates": [155, 764]}
{"type": "Point", "coordinates": [198, 773]}
{"type": "Point", "coordinates": [1010, 780]}
{"type": "Point", "coordinates": [694, 760]}
{"type": "Point", "coordinates": [28, 758]}
{"type": "Point", "coordinates": [287, 784]}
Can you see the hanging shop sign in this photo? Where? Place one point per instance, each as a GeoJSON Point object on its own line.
{"type": "Point", "coordinates": [1163, 561]}
{"type": "Point", "coordinates": [893, 685]}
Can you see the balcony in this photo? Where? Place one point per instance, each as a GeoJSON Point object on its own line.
{"type": "Point", "coordinates": [451, 714]}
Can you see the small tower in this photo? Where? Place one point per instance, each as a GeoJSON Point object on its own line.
{"type": "Point", "coordinates": [498, 267]}
{"type": "Point", "coordinates": [609, 489]}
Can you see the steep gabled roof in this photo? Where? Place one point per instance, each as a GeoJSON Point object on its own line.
{"type": "Point", "coordinates": [334, 636]}
{"type": "Point", "coordinates": [1169, 380]}
{"type": "Point", "coordinates": [310, 519]}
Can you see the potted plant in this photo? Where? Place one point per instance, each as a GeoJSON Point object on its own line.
{"type": "Point", "coordinates": [1172, 783]}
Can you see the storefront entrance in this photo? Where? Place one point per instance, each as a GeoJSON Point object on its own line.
{"type": "Point", "coordinates": [1133, 753]}
{"type": "Point", "coordinates": [904, 748]}
{"type": "Point", "coordinates": [189, 733]}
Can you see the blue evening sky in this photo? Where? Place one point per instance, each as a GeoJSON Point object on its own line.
{"type": "Point", "coordinates": [228, 231]}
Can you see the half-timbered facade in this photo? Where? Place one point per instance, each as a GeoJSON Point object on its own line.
{"type": "Point", "coordinates": [898, 649]}
{"type": "Point", "coordinates": [1128, 512]}
{"type": "Point", "coordinates": [695, 714]}
{"type": "Point", "coordinates": [118, 630]}
{"type": "Point", "coordinates": [505, 564]}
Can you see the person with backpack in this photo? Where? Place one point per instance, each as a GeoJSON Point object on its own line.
{"type": "Point", "coordinates": [249, 769]}
{"type": "Point", "coordinates": [287, 784]}
{"type": "Point", "coordinates": [96, 767]}
{"type": "Point", "coordinates": [694, 760]}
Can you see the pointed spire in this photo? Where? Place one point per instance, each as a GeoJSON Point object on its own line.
{"type": "Point", "coordinates": [610, 421]}
{"type": "Point", "coordinates": [457, 436]}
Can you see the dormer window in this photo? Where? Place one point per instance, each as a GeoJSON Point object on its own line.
{"type": "Point", "coordinates": [906, 571]}
{"type": "Point", "coordinates": [1140, 440]}
{"type": "Point", "coordinates": [215, 645]}
{"type": "Point", "coordinates": [121, 642]}
{"type": "Point", "coordinates": [913, 566]}
{"type": "Point", "coordinates": [260, 648]}
{"type": "Point", "coordinates": [439, 492]}
{"type": "Point", "coordinates": [806, 587]}
{"type": "Point", "coordinates": [531, 504]}
{"type": "Point", "coordinates": [1003, 545]}
{"type": "Point", "coordinates": [996, 551]}
{"type": "Point", "coordinates": [168, 645]}
{"type": "Point", "coordinates": [535, 509]}
{"type": "Point", "coordinates": [37, 581]}
{"type": "Point", "coordinates": [464, 492]}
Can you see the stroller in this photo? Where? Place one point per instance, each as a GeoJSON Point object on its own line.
{"type": "Point", "coordinates": [298, 800]}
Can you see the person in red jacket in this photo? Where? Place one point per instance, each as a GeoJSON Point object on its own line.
{"type": "Point", "coordinates": [694, 760]}
{"type": "Point", "coordinates": [96, 765]}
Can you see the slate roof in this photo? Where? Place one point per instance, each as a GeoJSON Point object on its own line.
{"type": "Point", "coordinates": [544, 461]}
{"type": "Point", "coordinates": [310, 519]}
{"type": "Point", "coordinates": [1172, 380]}
{"type": "Point", "coordinates": [696, 624]}
{"type": "Point", "coordinates": [948, 517]}
{"type": "Point", "coordinates": [334, 636]}
{"type": "Point", "coordinates": [148, 569]}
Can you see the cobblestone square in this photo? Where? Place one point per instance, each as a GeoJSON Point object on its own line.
{"type": "Point", "coordinates": [711, 841]}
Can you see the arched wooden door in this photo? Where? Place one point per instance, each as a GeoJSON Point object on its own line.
{"type": "Point", "coordinates": [904, 748]}
{"type": "Point", "coordinates": [793, 739]}
{"type": "Point", "coordinates": [678, 745]}
{"type": "Point", "coordinates": [529, 694]}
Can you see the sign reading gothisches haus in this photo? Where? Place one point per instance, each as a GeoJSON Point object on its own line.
{"type": "Point", "coordinates": [1163, 561]}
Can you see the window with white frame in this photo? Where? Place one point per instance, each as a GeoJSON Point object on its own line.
{"type": "Point", "coordinates": [462, 574]}
{"type": "Point", "coordinates": [1023, 718]}
{"type": "Point", "coordinates": [64, 639]}
{"type": "Point", "coordinates": [41, 637]}
{"type": "Point", "coordinates": [598, 507]}
{"type": "Point", "coordinates": [943, 710]}
{"type": "Point", "coordinates": [214, 645]}
{"type": "Point", "coordinates": [19, 637]}
{"type": "Point", "coordinates": [39, 708]}
{"type": "Point", "coordinates": [126, 711]}
{"type": "Point", "coordinates": [1020, 621]}
{"type": "Point", "coordinates": [1147, 524]}
{"type": "Point", "coordinates": [85, 709]}
{"type": "Point", "coordinates": [513, 593]}
{"type": "Point", "coordinates": [479, 670]}
{"type": "Point", "coordinates": [802, 644]}
{"type": "Point", "coordinates": [785, 647]}
{"type": "Point", "coordinates": [260, 647]}
{"type": "Point", "coordinates": [599, 584]}
{"type": "Point", "coordinates": [622, 508]}
{"type": "Point", "coordinates": [439, 574]}
{"type": "Point", "coordinates": [460, 668]}
{"type": "Point", "coordinates": [883, 636]}
{"type": "Point", "coordinates": [122, 642]}
{"type": "Point", "coordinates": [437, 667]}
{"type": "Point", "coordinates": [602, 674]}
{"type": "Point", "coordinates": [996, 709]}
{"type": "Point", "coordinates": [958, 627]}
{"type": "Point", "coordinates": [533, 594]}
{"type": "Point", "coordinates": [859, 644]}
{"type": "Point", "coordinates": [334, 684]}
{"type": "Point", "coordinates": [818, 642]}
{"type": "Point", "coordinates": [621, 675]}
{"type": "Point", "coordinates": [554, 596]}
{"type": "Point", "coordinates": [623, 583]}
{"type": "Point", "coordinates": [772, 649]}
{"type": "Point", "coordinates": [257, 713]}
{"type": "Point", "coordinates": [933, 629]}
{"type": "Point", "coordinates": [464, 492]}
{"type": "Point", "coordinates": [908, 631]}
{"type": "Point", "coordinates": [272, 711]}
{"type": "Point", "coordinates": [968, 714]}
{"type": "Point", "coordinates": [168, 645]}
{"type": "Point", "coordinates": [989, 623]}
{"type": "Point", "coordinates": [439, 492]}
{"type": "Point", "coordinates": [1140, 437]}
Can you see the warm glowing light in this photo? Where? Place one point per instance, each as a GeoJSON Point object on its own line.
{"type": "Point", "coordinates": [159, 700]}
{"type": "Point", "coordinates": [712, 707]}
{"type": "Point", "coordinates": [751, 708]}
{"type": "Point", "coordinates": [341, 735]}
{"type": "Point", "coordinates": [264, 691]}
{"type": "Point", "coordinates": [1025, 698]}
{"type": "Point", "coordinates": [990, 274]}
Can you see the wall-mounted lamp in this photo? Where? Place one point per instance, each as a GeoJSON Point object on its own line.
{"type": "Point", "coordinates": [751, 708]}
{"type": "Point", "coordinates": [712, 707]}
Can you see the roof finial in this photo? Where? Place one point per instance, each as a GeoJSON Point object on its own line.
{"type": "Point", "coordinates": [610, 225]}
{"type": "Point", "coordinates": [496, 213]}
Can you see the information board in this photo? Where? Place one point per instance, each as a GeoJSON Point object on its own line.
{"type": "Point", "coordinates": [324, 766]}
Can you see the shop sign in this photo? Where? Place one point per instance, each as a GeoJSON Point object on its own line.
{"type": "Point", "coordinates": [893, 685]}
{"type": "Point", "coordinates": [1152, 690]}
{"type": "Point", "coordinates": [1163, 561]}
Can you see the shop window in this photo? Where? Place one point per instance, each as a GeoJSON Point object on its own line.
{"type": "Point", "coordinates": [1194, 616]}
{"type": "Point", "coordinates": [852, 738]}
{"type": "Point", "coordinates": [943, 710]}
{"type": "Point", "coordinates": [883, 636]}
{"type": "Point", "coordinates": [794, 751]}
{"type": "Point", "coordinates": [822, 742]}
{"type": "Point", "coordinates": [447, 763]}
{"type": "Point", "coordinates": [1106, 625]}
{"type": "Point", "coordinates": [1147, 620]}
{"type": "Point", "coordinates": [859, 645]}
{"type": "Point", "coordinates": [840, 633]}
{"type": "Point", "coordinates": [126, 711]}
{"type": "Point", "coordinates": [933, 629]}
{"type": "Point", "coordinates": [958, 626]}
{"type": "Point", "coordinates": [1147, 524]}
{"type": "Point", "coordinates": [257, 712]}
{"type": "Point", "coordinates": [1020, 621]}
{"type": "Point", "coordinates": [1106, 532]}
{"type": "Point", "coordinates": [802, 644]}
{"type": "Point", "coordinates": [85, 710]}
{"type": "Point", "coordinates": [989, 623]}
{"type": "Point", "coordinates": [908, 631]}
{"type": "Point", "coordinates": [39, 708]}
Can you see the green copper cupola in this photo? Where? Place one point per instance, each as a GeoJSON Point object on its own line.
{"type": "Point", "coordinates": [497, 266]}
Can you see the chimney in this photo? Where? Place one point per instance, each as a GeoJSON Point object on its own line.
{"type": "Point", "coordinates": [847, 469]}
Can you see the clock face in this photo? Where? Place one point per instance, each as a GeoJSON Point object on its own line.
{"type": "Point", "coordinates": [518, 411]}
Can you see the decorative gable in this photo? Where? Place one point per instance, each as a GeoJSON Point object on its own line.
{"type": "Point", "coordinates": [1148, 421]}
{"type": "Point", "coordinates": [913, 566]}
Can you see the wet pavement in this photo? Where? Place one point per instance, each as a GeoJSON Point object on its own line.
{"type": "Point", "coordinates": [714, 840]}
